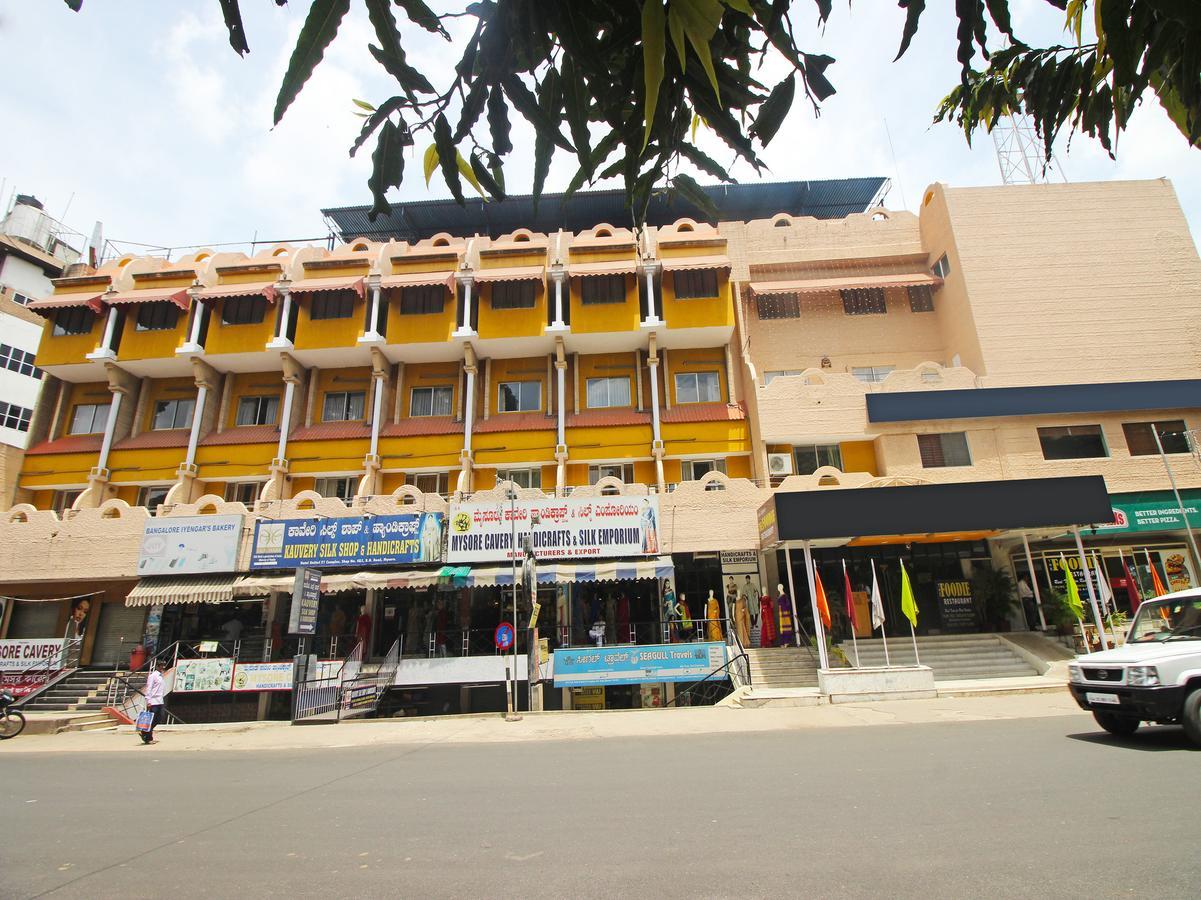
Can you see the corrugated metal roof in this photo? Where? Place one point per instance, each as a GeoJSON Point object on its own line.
{"type": "Point", "coordinates": [421, 219]}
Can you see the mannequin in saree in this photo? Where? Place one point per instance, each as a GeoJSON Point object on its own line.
{"type": "Point", "coordinates": [767, 621]}
{"type": "Point", "coordinates": [713, 630]}
{"type": "Point", "coordinates": [787, 626]}
{"type": "Point", "coordinates": [742, 619]}
{"type": "Point", "coordinates": [671, 614]}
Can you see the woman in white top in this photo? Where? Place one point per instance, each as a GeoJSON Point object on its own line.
{"type": "Point", "coordinates": [155, 690]}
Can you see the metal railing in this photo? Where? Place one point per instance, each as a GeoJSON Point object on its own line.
{"type": "Point", "coordinates": [51, 670]}
{"type": "Point", "coordinates": [321, 696]}
{"type": "Point", "coordinates": [709, 689]}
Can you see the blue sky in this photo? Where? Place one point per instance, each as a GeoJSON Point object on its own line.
{"type": "Point", "coordinates": [139, 114]}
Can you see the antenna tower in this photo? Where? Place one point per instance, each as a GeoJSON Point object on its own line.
{"type": "Point", "coordinates": [1020, 152]}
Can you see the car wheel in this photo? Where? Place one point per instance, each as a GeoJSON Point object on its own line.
{"type": "Point", "coordinates": [1191, 716]}
{"type": "Point", "coordinates": [1122, 726]}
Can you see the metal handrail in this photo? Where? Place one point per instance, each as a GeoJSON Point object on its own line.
{"type": "Point", "coordinates": [67, 658]}
{"type": "Point", "coordinates": [121, 697]}
{"type": "Point", "coordinates": [697, 684]}
{"type": "Point", "coordinates": [744, 672]}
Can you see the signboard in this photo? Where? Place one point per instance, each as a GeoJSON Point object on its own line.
{"type": "Point", "coordinates": [1152, 511]}
{"type": "Point", "coordinates": [194, 676]}
{"type": "Point", "coordinates": [270, 676]}
{"type": "Point", "coordinates": [306, 598]}
{"type": "Point", "coordinates": [348, 541]}
{"type": "Point", "coordinates": [559, 528]}
{"type": "Point", "coordinates": [17, 655]}
{"type": "Point", "coordinates": [588, 698]}
{"type": "Point", "coordinates": [190, 545]}
{"type": "Point", "coordinates": [635, 665]}
{"type": "Point", "coordinates": [769, 529]}
{"type": "Point", "coordinates": [503, 636]}
{"type": "Point", "coordinates": [360, 695]}
{"type": "Point", "coordinates": [19, 684]}
{"type": "Point", "coordinates": [956, 606]}
{"type": "Point", "coordinates": [740, 560]}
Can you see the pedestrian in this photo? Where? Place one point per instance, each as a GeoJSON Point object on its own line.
{"type": "Point", "coordinates": [155, 691]}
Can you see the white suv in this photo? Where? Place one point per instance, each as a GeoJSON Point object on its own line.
{"type": "Point", "coordinates": [1155, 677]}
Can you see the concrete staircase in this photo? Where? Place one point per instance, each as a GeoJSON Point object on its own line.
{"type": "Point", "coordinates": [82, 690]}
{"type": "Point", "coordinates": [951, 656]}
{"type": "Point", "coordinates": [781, 667]}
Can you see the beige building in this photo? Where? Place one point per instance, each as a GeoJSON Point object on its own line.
{"type": "Point", "coordinates": [997, 335]}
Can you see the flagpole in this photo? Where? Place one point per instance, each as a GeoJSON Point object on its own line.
{"type": "Point", "coordinates": [818, 629]}
{"type": "Point", "coordinates": [1092, 595]}
{"type": "Point", "coordinates": [1098, 571]}
{"type": "Point", "coordinates": [912, 633]}
{"type": "Point", "coordinates": [796, 626]}
{"type": "Point", "coordinates": [1067, 573]}
{"type": "Point", "coordinates": [1038, 600]}
{"type": "Point", "coordinates": [846, 580]}
{"type": "Point", "coordinates": [875, 597]}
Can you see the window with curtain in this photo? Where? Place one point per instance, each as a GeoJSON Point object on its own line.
{"type": "Point", "coordinates": [939, 451]}
{"type": "Point", "coordinates": [608, 392]}
{"type": "Point", "coordinates": [161, 316]}
{"type": "Point", "coordinates": [524, 478]}
{"type": "Point", "coordinates": [778, 306]}
{"type": "Point", "coordinates": [863, 301]}
{"type": "Point", "coordinates": [1140, 437]}
{"type": "Point", "coordinates": [343, 406]}
{"type": "Point", "coordinates": [431, 401]}
{"type": "Point", "coordinates": [73, 320]}
{"type": "Point", "coordinates": [624, 471]}
{"type": "Point", "coordinates": [698, 387]}
{"type": "Point", "coordinates": [514, 294]}
{"type": "Point", "coordinates": [243, 310]}
{"type": "Point", "coordinates": [342, 487]}
{"type": "Point", "coordinates": [597, 289]}
{"type": "Point", "coordinates": [422, 299]}
{"type": "Point", "coordinates": [89, 418]}
{"type": "Point", "coordinates": [332, 304]}
{"type": "Point", "coordinates": [1072, 442]}
{"type": "Point", "coordinates": [257, 411]}
{"type": "Point", "coordinates": [169, 414]}
{"type": "Point", "coordinates": [430, 482]}
{"type": "Point", "coordinates": [699, 284]}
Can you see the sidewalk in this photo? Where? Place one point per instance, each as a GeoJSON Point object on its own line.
{"type": "Point", "coordinates": [554, 726]}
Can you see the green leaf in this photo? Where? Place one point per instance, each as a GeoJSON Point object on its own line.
{"type": "Point", "coordinates": [704, 162]}
{"type": "Point", "coordinates": [391, 105]}
{"type": "Point", "coordinates": [430, 162]}
{"type": "Point", "coordinates": [773, 110]}
{"type": "Point", "coordinates": [420, 14]}
{"type": "Point", "coordinates": [498, 120]}
{"type": "Point", "coordinates": [700, 19]}
{"type": "Point", "coordinates": [485, 177]}
{"type": "Point", "coordinates": [75, 5]}
{"type": "Point", "coordinates": [528, 106]}
{"type": "Point", "coordinates": [473, 105]}
{"type": "Point", "coordinates": [319, 29]}
{"type": "Point", "coordinates": [653, 47]}
{"type": "Point", "coordinates": [913, 14]}
{"type": "Point", "coordinates": [387, 168]}
{"type": "Point", "coordinates": [233, 24]}
{"type": "Point", "coordinates": [406, 76]}
{"type": "Point", "coordinates": [741, 5]}
{"type": "Point", "coordinates": [575, 104]}
{"type": "Point", "coordinates": [467, 172]}
{"type": "Point", "coordinates": [815, 68]}
{"type": "Point", "coordinates": [448, 158]}
{"type": "Point", "coordinates": [362, 104]}
{"type": "Point", "coordinates": [686, 187]}
{"type": "Point", "coordinates": [675, 27]}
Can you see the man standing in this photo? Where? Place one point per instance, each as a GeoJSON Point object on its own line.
{"type": "Point", "coordinates": [155, 691]}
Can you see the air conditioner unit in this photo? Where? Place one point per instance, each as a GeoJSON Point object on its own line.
{"type": "Point", "coordinates": [779, 463]}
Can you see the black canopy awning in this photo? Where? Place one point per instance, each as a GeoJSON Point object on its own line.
{"type": "Point", "coordinates": [972, 506]}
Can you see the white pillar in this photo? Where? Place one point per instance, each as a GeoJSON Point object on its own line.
{"type": "Point", "coordinates": [819, 631]}
{"type": "Point", "coordinates": [197, 415]}
{"type": "Point", "coordinates": [110, 427]}
{"type": "Point", "coordinates": [198, 310]}
{"type": "Point", "coordinates": [1038, 600]}
{"type": "Point", "coordinates": [651, 314]}
{"type": "Point", "coordinates": [1092, 594]}
{"type": "Point", "coordinates": [377, 405]}
{"type": "Point", "coordinates": [469, 411]}
{"type": "Point", "coordinates": [373, 331]}
{"type": "Point", "coordinates": [465, 323]}
{"type": "Point", "coordinates": [284, 315]}
{"type": "Point", "coordinates": [110, 326]}
{"type": "Point", "coordinates": [653, 364]}
{"type": "Point", "coordinates": [285, 419]}
{"type": "Point", "coordinates": [560, 392]}
{"type": "Point", "coordinates": [559, 323]}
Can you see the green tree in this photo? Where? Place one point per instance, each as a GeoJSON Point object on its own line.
{"type": "Point", "coordinates": [623, 85]}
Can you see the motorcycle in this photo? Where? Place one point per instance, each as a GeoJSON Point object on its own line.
{"type": "Point", "coordinates": [12, 721]}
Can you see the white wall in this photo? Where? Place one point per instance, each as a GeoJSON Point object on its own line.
{"type": "Point", "coordinates": [20, 390]}
{"type": "Point", "coordinates": [25, 278]}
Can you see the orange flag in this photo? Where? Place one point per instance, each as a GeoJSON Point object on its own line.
{"type": "Point", "coordinates": [1156, 581]}
{"type": "Point", "coordinates": [823, 608]}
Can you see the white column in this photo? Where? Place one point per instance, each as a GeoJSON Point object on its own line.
{"type": "Point", "coordinates": [469, 411]}
{"type": "Point", "coordinates": [465, 323]}
{"type": "Point", "coordinates": [376, 406]}
{"type": "Point", "coordinates": [373, 331]}
{"type": "Point", "coordinates": [1038, 600]}
{"type": "Point", "coordinates": [1092, 594]}
{"type": "Point", "coordinates": [283, 318]}
{"type": "Point", "coordinates": [651, 315]}
{"type": "Point", "coordinates": [653, 364]}
{"type": "Point", "coordinates": [197, 415]}
{"type": "Point", "coordinates": [110, 427]}
{"type": "Point", "coordinates": [285, 419]}
{"type": "Point", "coordinates": [198, 310]}
{"type": "Point", "coordinates": [559, 278]}
{"type": "Point", "coordinates": [819, 631]}
{"type": "Point", "coordinates": [110, 326]}
{"type": "Point", "coordinates": [560, 404]}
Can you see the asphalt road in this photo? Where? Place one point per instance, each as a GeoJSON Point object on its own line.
{"type": "Point", "coordinates": [1018, 808]}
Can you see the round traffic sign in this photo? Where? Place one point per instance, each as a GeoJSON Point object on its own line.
{"type": "Point", "coordinates": [504, 636]}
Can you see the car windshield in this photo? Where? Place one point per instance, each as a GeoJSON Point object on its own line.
{"type": "Point", "coordinates": [1166, 620]}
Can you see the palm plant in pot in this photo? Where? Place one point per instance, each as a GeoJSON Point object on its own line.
{"type": "Point", "coordinates": [996, 595]}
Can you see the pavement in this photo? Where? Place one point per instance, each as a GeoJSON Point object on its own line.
{"type": "Point", "coordinates": [1010, 796]}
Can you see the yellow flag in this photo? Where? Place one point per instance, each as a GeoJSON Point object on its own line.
{"type": "Point", "coordinates": [1075, 604]}
{"type": "Point", "coordinates": [908, 604]}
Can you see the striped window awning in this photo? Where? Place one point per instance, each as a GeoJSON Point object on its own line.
{"type": "Point", "coordinates": [65, 301]}
{"type": "Point", "coordinates": [312, 285]}
{"type": "Point", "coordinates": [690, 263]}
{"type": "Point", "coordinates": [221, 291]}
{"type": "Point", "coordinates": [178, 296]}
{"type": "Point", "coordinates": [515, 273]}
{"type": "Point", "coordinates": [569, 573]}
{"type": "Point", "coordinates": [824, 285]}
{"type": "Point", "coordinates": [609, 267]}
{"type": "Point", "coordinates": [337, 582]}
{"type": "Point", "coordinates": [183, 589]}
{"type": "Point", "coordinates": [418, 279]}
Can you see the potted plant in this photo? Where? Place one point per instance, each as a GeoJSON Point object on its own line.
{"type": "Point", "coordinates": [996, 595]}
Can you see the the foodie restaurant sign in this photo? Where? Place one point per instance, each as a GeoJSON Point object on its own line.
{"type": "Point", "coordinates": [560, 528]}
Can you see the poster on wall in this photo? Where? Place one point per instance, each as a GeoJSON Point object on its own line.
{"type": "Point", "coordinates": [20, 654]}
{"type": "Point", "coordinates": [198, 675]}
{"type": "Point", "coordinates": [637, 665]}
{"type": "Point", "coordinates": [269, 676]}
{"type": "Point", "coordinates": [348, 541]}
{"type": "Point", "coordinates": [190, 545]}
{"type": "Point", "coordinates": [956, 606]}
{"type": "Point", "coordinates": [560, 528]}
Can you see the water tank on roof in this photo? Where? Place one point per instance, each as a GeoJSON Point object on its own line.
{"type": "Point", "coordinates": [28, 200]}
{"type": "Point", "coordinates": [28, 222]}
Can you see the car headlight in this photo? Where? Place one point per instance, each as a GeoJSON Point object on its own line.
{"type": "Point", "coordinates": [1074, 674]}
{"type": "Point", "coordinates": [1142, 675]}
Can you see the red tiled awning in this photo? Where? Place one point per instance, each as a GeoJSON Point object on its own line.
{"type": "Point", "coordinates": [220, 291]}
{"type": "Point", "coordinates": [608, 418]}
{"type": "Point", "coordinates": [609, 267]}
{"type": "Point", "coordinates": [66, 301]}
{"type": "Point", "coordinates": [72, 443]}
{"type": "Point", "coordinates": [331, 431]}
{"type": "Point", "coordinates": [515, 273]}
{"type": "Point", "coordinates": [703, 412]}
{"type": "Point", "coordinates": [418, 279]}
{"type": "Point", "coordinates": [689, 263]}
{"type": "Point", "coordinates": [242, 434]}
{"type": "Point", "coordinates": [822, 285]}
{"type": "Point", "coordinates": [313, 285]}
{"type": "Point", "coordinates": [172, 437]}
{"type": "Point", "coordinates": [419, 425]}
{"type": "Point", "coordinates": [502, 422]}
{"type": "Point", "coordinates": [178, 296]}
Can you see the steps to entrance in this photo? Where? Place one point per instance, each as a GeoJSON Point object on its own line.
{"type": "Point", "coordinates": [952, 656]}
{"type": "Point", "coordinates": [82, 690]}
{"type": "Point", "coordinates": [781, 667]}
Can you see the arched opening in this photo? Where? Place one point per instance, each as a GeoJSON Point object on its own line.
{"type": "Point", "coordinates": [604, 232]}
{"type": "Point", "coordinates": [18, 516]}
{"type": "Point", "coordinates": [521, 238]}
{"type": "Point", "coordinates": [828, 481]}
{"type": "Point", "coordinates": [209, 509]}
{"type": "Point", "coordinates": [441, 242]}
{"type": "Point", "coordinates": [201, 257]}
{"type": "Point", "coordinates": [124, 261]}
{"type": "Point", "coordinates": [879, 217]}
{"type": "Point", "coordinates": [280, 251]}
{"type": "Point", "coordinates": [112, 512]}
{"type": "Point", "coordinates": [360, 247]}
{"type": "Point", "coordinates": [610, 490]}
{"type": "Point", "coordinates": [684, 226]}
{"type": "Point", "coordinates": [306, 505]}
{"type": "Point", "coordinates": [782, 223]}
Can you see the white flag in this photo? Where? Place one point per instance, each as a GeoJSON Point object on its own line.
{"type": "Point", "coordinates": [1104, 591]}
{"type": "Point", "coordinates": [877, 602]}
